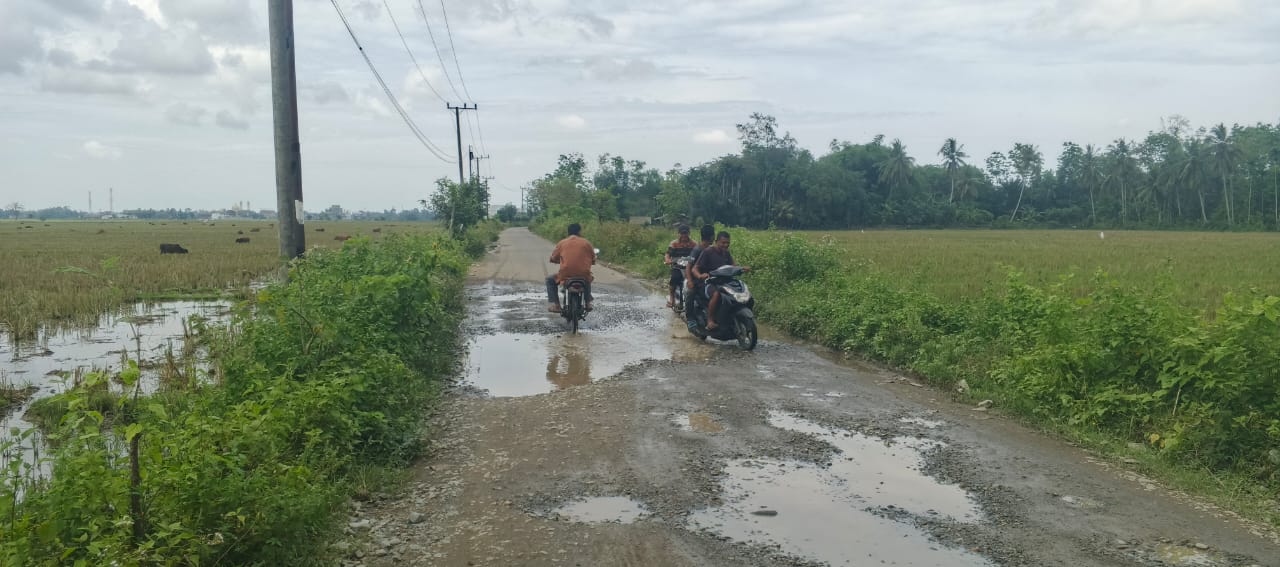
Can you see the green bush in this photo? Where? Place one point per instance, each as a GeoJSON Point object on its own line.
{"type": "Point", "coordinates": [318, 377]}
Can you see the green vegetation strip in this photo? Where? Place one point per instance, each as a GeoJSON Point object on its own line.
{"type": "Point", "coordinates": [318, 382]}
{"type": "Point", "coordinates": [1127, 369]}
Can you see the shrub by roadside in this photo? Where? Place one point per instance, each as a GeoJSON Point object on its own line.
{"type": "Point", "coordinates": [315, 380]}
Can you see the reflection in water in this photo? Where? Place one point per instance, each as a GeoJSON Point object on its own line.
{"type": "Point", "coordinates": [568, 367]}
{"type": "Point", "coordinates": [519, 338]}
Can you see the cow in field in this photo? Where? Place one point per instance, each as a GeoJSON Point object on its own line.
{"type": "Point", "coordinates": [342, 237]}
{"type": "Point", "coordinates": [255, 229]}
{"type": "Point", "coordinates": [172, 249]}
{"type": "Point", "coordinates": [242, 240]}
{"type": "Point", "coordinates": [319, 230]}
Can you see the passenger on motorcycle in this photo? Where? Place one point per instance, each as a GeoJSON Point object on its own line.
{"type": "Point", "coordinates": [575, 255]}
{"type": "Point", "coordinates": [709, 260]}
{"type": "Point", "coordinates": [693, 286]}
{"type": "Point", "coordinates": [679, 248]}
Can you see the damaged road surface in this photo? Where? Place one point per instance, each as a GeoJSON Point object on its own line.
{"type": "Point", "coordinates": [632, 443]}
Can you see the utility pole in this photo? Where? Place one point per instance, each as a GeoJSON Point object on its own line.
{"type": "Point", "coordinates": [478, 158]}
{"type": "Point", "coordinates": [91, 202]}
{"type": "Point", "coordinates": [457, 124]}
{"type": "Point", "coordinates": [471, 157]}
{"type": "Point", "coordinates": [284, 106]}
{"type": "Point", "coordinates": [111, 199]}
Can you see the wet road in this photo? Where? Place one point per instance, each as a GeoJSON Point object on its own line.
{"type": "Point", "coordinates": [634, 444]}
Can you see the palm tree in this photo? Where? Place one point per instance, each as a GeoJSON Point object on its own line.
{"type": "Point", "coordinates": [953, 159]}
{"type": "Point", "coordinates": [1092, 175]}
{"type": "Point", "coordinates": [895, 170]}
{"type": "Point", "coordinates": [1028, 162]}
{"type": "Point", "coordinates": [1123, 167]}
{"type": "Point", "coordinates": [1225, 156]}
{"type": "Point", "coordinates": [1194, 170]}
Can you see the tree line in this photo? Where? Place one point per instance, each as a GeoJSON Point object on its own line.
{"type": "Point", "coordinates": [1217, 177]}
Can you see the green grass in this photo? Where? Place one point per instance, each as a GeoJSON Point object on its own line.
{"type": "Point", "coordinates": [118, 262]}
{"type": "Point", "coordinates": [956, 264]}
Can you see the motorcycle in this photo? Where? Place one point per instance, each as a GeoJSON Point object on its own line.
{"type": "Point", "coordinates": [736, 320]}
{"type": "Point", "coordinates": [573, 300]}
{"type": "Point", "coordinates": [682, 264]}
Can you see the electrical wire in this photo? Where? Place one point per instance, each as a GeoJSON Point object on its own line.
{"type": "Point", "coordinates": [443, 68]}
{"type": "Point", "coordinates": [417, 132]}
{"type": "Point", "coordinates": [411, 55]}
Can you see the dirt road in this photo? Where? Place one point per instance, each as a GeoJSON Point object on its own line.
{"type": "Point", "coordinates": [634, 444]}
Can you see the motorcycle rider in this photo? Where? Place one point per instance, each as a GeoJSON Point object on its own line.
{"type": "Point", "coordinates": [693, 286]}
{"type": "Point", "coordinates": [575, 255]}
{"type": "Point", "coordinates": [709, 260]}
{"type": "Point", "coordinates": [679, 248]}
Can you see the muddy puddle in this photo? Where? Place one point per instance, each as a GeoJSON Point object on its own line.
{"type": "Point", "coordinates": [828, 514]}
{"type": "Point", "coordinates": [519, 349]}
{"type": "Point", "coordinates": [143, 332]}
{"type": "Point", "coordinates": [698, 422]}
{"type": "Point", "coordinates": [602, 509]}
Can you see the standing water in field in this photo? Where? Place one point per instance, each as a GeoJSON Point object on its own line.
{"type": "Point", "coordinates": [154, 335]}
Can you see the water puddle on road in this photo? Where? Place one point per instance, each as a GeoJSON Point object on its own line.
{"type": "Point", "coordinates": [922, 422]}
{"type": "Point", "coordinates": [522, 350]}
{"type": "Point", "coordinates": [826, 513]}
{"type": "Point", "coordinates": [698, 423]}
{"type": "Point", "coordinates": [603, 509]}
{"type": "Point", "coordinates": [1183, 555]}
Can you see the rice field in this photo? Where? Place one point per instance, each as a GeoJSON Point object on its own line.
{"type": "Point", "coordinates": [954, 264]}
{"type": "Point", "coordinates": [67, 273]}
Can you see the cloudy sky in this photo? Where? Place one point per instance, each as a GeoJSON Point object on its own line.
{"type": "Point", "coordinates": [168, 101]}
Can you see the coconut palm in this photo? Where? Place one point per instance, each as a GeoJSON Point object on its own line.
{"type": "Point", "coordinates": [1225, 155]}
{"type": "Point", "coordinates": [1194, 170]}
{"type": "Point", "coordinates": [1027, 162]}
{"type": "Point", "coordinates": [952, 159]}
{"type": "Point", "coordinates": [1092, 175]}
{"type": "Point", "coordinates": [895, 170]}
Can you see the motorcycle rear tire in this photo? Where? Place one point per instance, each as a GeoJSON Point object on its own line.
{"type": "Point", "coordinates": [745, 328]}
{"type": "Point", "coordinates": [575, 311]}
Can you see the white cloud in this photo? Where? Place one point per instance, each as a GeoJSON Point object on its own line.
{"type": "Point", "coordinates": [99, 150]}
{"type": "Point", "coordinates": [571, 122]}
{"type": "Point", "coordinates": [229, 121]}
{"type": "Point", "coordinates": [712, 137]}
{"type": "Point", "coordinates": [87, 81]}
{"type": "Point", "coordinates": [185, 114]}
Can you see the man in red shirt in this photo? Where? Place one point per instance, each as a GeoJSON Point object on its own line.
{"type": "Point", "coordinates": [575, 255]}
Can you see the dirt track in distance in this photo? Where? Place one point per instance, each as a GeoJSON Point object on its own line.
{"type": "Point", "coordinates": [634, 444]}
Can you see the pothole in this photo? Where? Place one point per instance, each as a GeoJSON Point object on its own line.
{"type": "Point", "coordinates": [602, 509]}
{"type": "Point", "coordinates": [825, 513]}
{"type": "Point", "coordinates": [531, 353]}
{"type": "Point", "coordinates": [698, 422]}
{"type": "Point", "coordinates": [1183, 555]}
{"type": "Point", "coordinates": [922, 422]}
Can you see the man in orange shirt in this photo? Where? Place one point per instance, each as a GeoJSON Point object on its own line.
{"type": "Point", "coordinates": [575, 255]}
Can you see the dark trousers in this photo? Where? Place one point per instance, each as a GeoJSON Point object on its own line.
{"type": "Point", "coordinates": [553, 290]}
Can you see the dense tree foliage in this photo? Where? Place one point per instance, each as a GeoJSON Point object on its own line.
{"type": "Point", "coordinates": [1177, 177]}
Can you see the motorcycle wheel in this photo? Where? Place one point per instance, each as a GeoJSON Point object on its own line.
{"type": "Point", "coordinates": [746, 331]}
{"type": "Point", "coordinates": [575, 307]}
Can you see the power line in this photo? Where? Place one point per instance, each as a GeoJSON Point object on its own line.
{"type": "Point", "coordinates": [444, 69]}
{"type": "Point", "coordinates": [417, 132]}
{"type": "Point", "coordinates": [454, 50]}
{"type": "Point", "coordinates": [411, 56]}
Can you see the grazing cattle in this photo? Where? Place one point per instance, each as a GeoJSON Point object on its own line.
{"type": "Point", "coordinates": [255, 229]}
{"type": "Point", "coordinates": [101, 231]}
{"type": "Point", "coordinates": [342, 237]}
{"type": "Point", "coordinates": [172, 249]}
{"type": "Point", "coordinates": [242, 240]}
{"type": "Point", "coordinates": [377, 230]}
{"type": "Point", "coordinates": [239, 232]}
{"type": "Point", "coordinates": [319, 230]}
